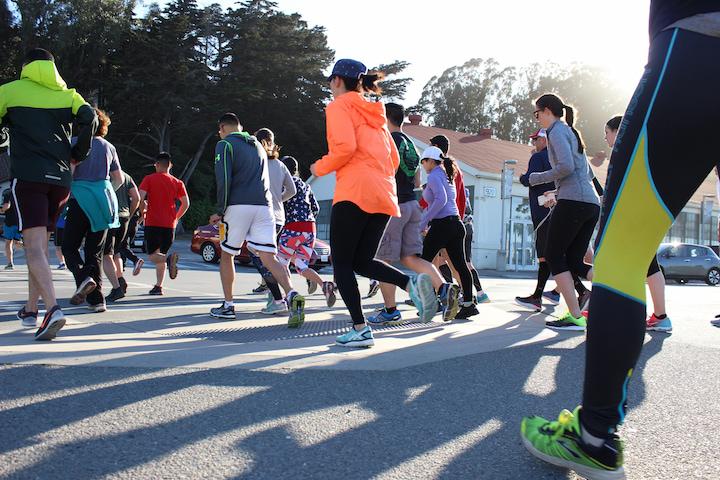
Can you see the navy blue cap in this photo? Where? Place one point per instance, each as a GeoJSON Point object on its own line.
{"type": "Point", "coordinates": [349, 68]}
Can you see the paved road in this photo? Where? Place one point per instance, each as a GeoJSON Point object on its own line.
{"type": "Point", "coordinates": [154, 388]}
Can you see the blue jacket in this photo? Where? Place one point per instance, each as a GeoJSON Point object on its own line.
{"type": "Point", "coordinates": [302, 207]}
{"type": "Point", "coordinates": [97, 199]}
{"type": "Point", "coordinates": [539, 162]}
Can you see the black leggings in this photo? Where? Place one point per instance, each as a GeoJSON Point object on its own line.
{"type": "Point", "coordinates": [77, 229]}
{"type": "Point", "coordinates": [571, 227]}
{"type": "Point", "coordinates": [449, 233]}
{"type": "Point", "coordinates": [126, 247]}
{"type": "Point", "coordinates": [354, 239]}
{"type": "Point", "coordinates": [673, 115]}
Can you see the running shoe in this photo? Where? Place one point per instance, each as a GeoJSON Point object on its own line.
{"type": "Point", "coordinates": [9, 266]}
{"type": "Point", "coordinates": [156, 290]}
{"type": "Point", "coordinates": [423, 295]}
{"type": "Point", "coordinates": [28, 319]}
{"type": "Point", "coordinates": [312, 287]}
{"type": "Point", "coordinates": [53, 321]}
{"type": "Point", "coordinates": [482, 298]}
{"type": "Point", "coordinates": [382, 317]}
{"type": "Point", "coordinates": [137, 268]}
{"type": "Point", "coordinates": [716, 321]}
{"type": "Point", "coordinates": [296, 304]}
{"type": "Point", "coordinates": [329, 289]}
{"type": "Point", "coordinates": [449, 303]}
{"type": "Point", "coordinates": [123, 284]}
{"type": "Point", "coordinates": [374, 288]}
{"type": "Point", "coordinates": [83, 290]}
{"type": "Point", "coordinates": [172, 262]}
{"type": "Point", "coordinates": [531, 302]}
{"type": "Point", "coordinates": [467, 311]}
{"type": "Point", "coordinates": [568, 322]}
{"type": "Point", "coordinates": [584, 300]}
{"type": "Point", "coordinates": [262, 288]}
{"type": "Point", "coordinates": [62, 266]}
{"type": "Point", "coordinates": [356, 339]}
{"type": "Point", "coordinates": [560, 444]}
{"type": "Point", "coordinates": [552, 296]}
{"type": "Point", "coordinates": [115, 294]}
{"type": "Point", "coordinates": [275, 308]}
{"type": "Point", "coordinates": [223, 311]}
{"type": "Point", "coordinates": [98, 307]}
{"type": "Point", "coordinates": [655, 324]}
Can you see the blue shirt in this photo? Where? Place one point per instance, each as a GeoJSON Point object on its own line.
{"type": "Point", "coordinates": [440, 196]}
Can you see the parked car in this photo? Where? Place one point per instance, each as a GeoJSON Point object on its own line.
{"type": "Point", "coordinates": [685, 261]}
{"type": "Point", "coordinates": [139, 241]}
{"type": "Point", "coordinates": [206, 243]}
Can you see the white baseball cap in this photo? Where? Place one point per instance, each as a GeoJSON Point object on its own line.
{"type": "Point", "coordinates": [433, 153]}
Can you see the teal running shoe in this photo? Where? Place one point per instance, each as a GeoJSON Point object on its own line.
{"type": "Point", "coordinates": [423, 296]}
{"type": "Point", "coordinates": [482, 298]}
{"type": "Point", "coordinates": [356, 339]}
{"type": "Point", "coordinates": [560, 443]}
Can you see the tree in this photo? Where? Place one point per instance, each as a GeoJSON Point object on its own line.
{"type": "Point", "coordinates": [9, 44]}
{"type": "Point", "coordinates": [394, 88]}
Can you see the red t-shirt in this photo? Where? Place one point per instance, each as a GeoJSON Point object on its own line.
{"type": "Point", "coordinates": [163, 190]}
{"type": "Point", "coordinates": [460, 197]}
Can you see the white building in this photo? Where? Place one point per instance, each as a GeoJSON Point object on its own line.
{"type": "Point", "coordinates": [481, 159]}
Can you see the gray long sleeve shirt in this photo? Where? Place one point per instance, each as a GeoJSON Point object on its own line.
{"type": "Point", "coordinates": [570, 169]}
{"type": "Point", "coordinates": [241, 172]}
{"type": "Point", "coordinates": [282, 188]}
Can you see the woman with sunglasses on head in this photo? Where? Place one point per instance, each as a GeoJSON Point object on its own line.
{"type": "Point", "coordinates": [443, 217]}
{"type": "Point", "coordinates": [658, 321]}
{"type": "Point", "coordinates": [364, 158]}
{"type": "Point", "coordinates": [578, 206]}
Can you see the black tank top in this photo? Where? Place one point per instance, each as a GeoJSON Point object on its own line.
{"type": "Point", "coordinates": [666, 12]}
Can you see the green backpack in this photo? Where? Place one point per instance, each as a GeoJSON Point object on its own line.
{"type": "Point", "coordinates": [409, 158]}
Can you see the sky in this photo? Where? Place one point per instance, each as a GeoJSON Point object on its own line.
{"type": "Point", "coordinates": [437, 34]}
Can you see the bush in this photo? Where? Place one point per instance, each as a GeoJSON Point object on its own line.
{"type": "Point", "coordinates": [198, 214]}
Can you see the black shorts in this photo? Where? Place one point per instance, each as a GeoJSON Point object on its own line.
{"type": "Point", "coordinates": [159, 238]}
{"type": "Point", "coordinates": [541, 237]}
{"type": "Point", "coordinates": [58, 237]}
{"type": "Point", "coordinates": [116, 237]}
{"type": "Point", "coordinates": [38, 204]}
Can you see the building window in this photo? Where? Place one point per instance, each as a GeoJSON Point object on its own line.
{"type": "Point", "coordinates": [323, 220]}
{"type": "Point", "coordinates": [692, 221]}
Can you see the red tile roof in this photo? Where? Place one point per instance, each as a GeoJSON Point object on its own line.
{"type": "Point", "coordinates": [488, 154]}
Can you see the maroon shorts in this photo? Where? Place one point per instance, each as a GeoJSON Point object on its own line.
{"type": "Point", "coordinates": [38, 204]}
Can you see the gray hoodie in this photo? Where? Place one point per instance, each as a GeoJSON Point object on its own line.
{"type": "Point", "coordinates": [282, 188]}
{"type": "Point", "coordinates": [570, 169]}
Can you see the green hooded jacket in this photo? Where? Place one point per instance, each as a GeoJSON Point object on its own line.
{"type": "Point", "coordinates": [39, 110]}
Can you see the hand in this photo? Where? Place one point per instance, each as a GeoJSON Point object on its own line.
{"type": "Point", "coordinates": [215, 219]}
{"type": "Point", "coordinates": [550, 202]}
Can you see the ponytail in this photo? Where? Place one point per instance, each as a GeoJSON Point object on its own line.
{"type": "Point", "coordinates": [367, 83]}
{"type": "Point", "coordinates": [450, 168]}
{"type": "Point", "coordinates": [570, 120]}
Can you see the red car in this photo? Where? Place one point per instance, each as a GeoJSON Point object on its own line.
{"type": "Point", "coordinates": [206, 243]}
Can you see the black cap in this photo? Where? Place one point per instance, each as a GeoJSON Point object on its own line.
{"type": "Point", "coordinates": [291, 163]}
{"type": "Point", "coordinates": [442, 142]}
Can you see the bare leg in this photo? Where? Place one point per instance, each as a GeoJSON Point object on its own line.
{"type": "Point", "coordinates": [656, 282]}
{"type": "Point", "coordinates": [110, 272]}
{"type": "Point", "coordinates": [279, 271]}
{"type": "Point", "coordinates": [36, 248]}
{"type": "Point", "coordinates": [566, 287]}
{"type": "Point", "coordinates": [312, 275]}
{"type": "Point", "coordinates": [59, 255]}
{"type": "Point", "coordinates": [227, 274]}
{"type": "Point", "coordinates": [117, 262]}
{"type": "Point", "coordinates": [159, 259]}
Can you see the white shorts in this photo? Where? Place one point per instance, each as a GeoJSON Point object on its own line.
{"type": "Point", "coordinates": [252, 223]}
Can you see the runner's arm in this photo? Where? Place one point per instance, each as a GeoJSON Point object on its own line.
{"type": "Point", "coordinates": [314, 205]}
{"type": "Point", "coordinates": [184, 205]}
{"type": "Point", "coordinates": [223, 174]}
{"type": "Point", "coordinates": [87, 123]}
{"type": "Point", "coordinates": [143, 204]}
{"type": "Point", "coordinates": [341, 141]}
{"type": "Point", "coordinates": [439, 199]}
{"type": "Point", "coordinates": [134, 198]}
{"type": "Point", "coordinates": [564, 163]}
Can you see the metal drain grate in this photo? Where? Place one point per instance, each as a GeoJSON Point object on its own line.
{"type": "Point", "coordinates": [269, 333]}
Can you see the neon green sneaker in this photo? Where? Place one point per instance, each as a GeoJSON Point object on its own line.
{"type": "Point", "coordinates": [568, 322]}
{"type": "Point", "coordinates": [560, 444]}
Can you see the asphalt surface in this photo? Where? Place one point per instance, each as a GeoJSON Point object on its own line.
{"type": "Point", "coordinates": [453, 418]}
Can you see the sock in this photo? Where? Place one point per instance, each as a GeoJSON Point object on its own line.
{"type": "Point", "coordinates": [476, 280]}
{"type": "Point", "coordinates": [591, 439]}
{"type": "Point", "coordinates": [661, 317]}
{"type": "Point", "coordinates": [229, 304]}
{"type": "Point", "coordinates": [391, 309]}
{"type": "Point", "coordinates": [542, 278]}
{"type": "Point", "coordinates": [446, 273]}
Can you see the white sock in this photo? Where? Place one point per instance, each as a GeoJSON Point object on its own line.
{"type": "Point", "coordinates": [229, 304]}
{"type": "Point", "coordinates": [591, 439]}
